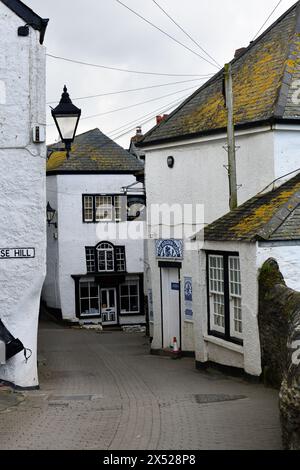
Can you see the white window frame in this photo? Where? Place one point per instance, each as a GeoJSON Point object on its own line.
{"type": "Point", "coordinates": [235, 295]}
{"type": "Point", "coordinates": [216, 292]}
{"type": "Point", "coordinates": [127, 284]}
{"type": "Point", "coordinates": [104, 208]}
{"type": "Point", "coordinates": [120, 258]}
{"type": "Point", "coordinates": [90, 259]}
{"type": "Point", "coordinates": [88, 205]}
{"type": "Point", "coordinates": [107, 249]}
{"type": "Point", "coordinates": [89, 298]}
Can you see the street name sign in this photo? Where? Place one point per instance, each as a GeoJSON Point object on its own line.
{"type": "Point", "coordinates": [17, 253]}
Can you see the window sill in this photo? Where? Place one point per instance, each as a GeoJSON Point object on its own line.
{"type": "Point", "coordinates": [224, 344]}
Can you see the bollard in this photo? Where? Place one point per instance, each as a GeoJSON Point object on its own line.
{"type": "Point", "coordinates": [2, 353]}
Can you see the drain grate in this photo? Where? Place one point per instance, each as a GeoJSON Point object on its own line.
{"type": "Point", "coordinates": [55, 398]}
{"type": "Point", "coordinates": [206, 399]}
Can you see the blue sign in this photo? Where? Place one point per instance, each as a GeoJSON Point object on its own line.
{"type": "Point", "coordinates": [188, 289]}
{"type": "Point", "coordinates": [188, 297]}
{"type": "Point", "coordinates": [175, 286]}
{"type": "Point", "coordinates": [169, 249]}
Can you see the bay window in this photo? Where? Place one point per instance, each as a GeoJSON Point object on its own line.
{"type": "Point", "coordinates": [105, 257]}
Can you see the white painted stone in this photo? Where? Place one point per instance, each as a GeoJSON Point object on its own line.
{"type": "Point", "coordinates": [22, 190]}
{"type": "Point", "coordinates": [66, 254]}
{"type": "Point", "coordinates": [199, 177]}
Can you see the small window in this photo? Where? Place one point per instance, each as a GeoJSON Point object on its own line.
{"type": "Point", "coordinates": [225, 296]}
{"type": "Point", "coordinates": [88, 209]}
{"type": "Point", "coordinates": [129, 298]}
{"type": "Point", "coordinates": [90, 260]}
{"type": "Point", "coordinates": [120, 259]}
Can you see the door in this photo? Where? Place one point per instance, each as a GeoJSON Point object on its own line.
{"type": "Point", "coordinates": [109, 306]}
{"type": "Point", "coordinates": [171, 313]}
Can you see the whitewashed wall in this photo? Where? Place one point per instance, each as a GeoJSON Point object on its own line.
{"type": "Point", "coordinates": [67, 253]}
{"type": "Point", "coordinates": [286, 151]}
{"type": "Point", "coordinates": [216, 350]}
{"type": "Point", "coordinates": [22, 189]}
{"type": "Point", "coordinates": [199, 177]}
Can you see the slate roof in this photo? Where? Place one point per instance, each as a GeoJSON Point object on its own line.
{"type": "Point", "coordinates": [263, 78]}
{"type": "Point", "coordinates": [93, 152]}
{"type": "Point", "coordinates": [28, 15]}
{"type": "Point", "coordinates": [273, 216]}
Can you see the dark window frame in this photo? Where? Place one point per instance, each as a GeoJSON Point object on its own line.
{"type": "Point", "coordinates": [96, 263]}
{"type": "Point", "coordinates": [93, 196]}
{"type": "Point", "coordinates": [211, 332]}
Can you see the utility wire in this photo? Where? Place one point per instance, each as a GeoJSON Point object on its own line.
{"type": "Point", "coordinates": [138, 104]}
{"type": "Point", "coordinates": [165, 33]}
{"type": "Point", "coordinates": [185, 32]}
{"type": "Point", "coordinates": [149, 116]}
{"type": "Point", "coordinates": [271, 14]}
{"type": "Point", "coordinates": [121, 70]}
{"type": "Point", "coordinates": [134, 105]}
{"type": "Point", "coordinates": [134, 89]}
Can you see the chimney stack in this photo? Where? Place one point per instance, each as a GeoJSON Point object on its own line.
{"type": "Point", "coordinates": [239, 52]}
{"type": "Point", "coordinates": [159, 119]}
{"type": "Point", "coordinates": [138, 131]}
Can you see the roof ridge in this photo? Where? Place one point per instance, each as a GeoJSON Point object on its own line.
{"type": "Point", "coordinates": [287, 77]}
{"type": "Point", "coordinates": [156, 134]}
{"type": "Point", "coordinates": [279, 217]}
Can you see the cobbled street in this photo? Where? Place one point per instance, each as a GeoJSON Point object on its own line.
{"type": "Point", "coordinates": [105, 391]}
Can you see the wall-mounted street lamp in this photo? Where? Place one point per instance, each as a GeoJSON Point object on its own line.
{"type": "Point", "coordinates": [51, 213]}
{"type": "Point", "coordinates": [66, 117]}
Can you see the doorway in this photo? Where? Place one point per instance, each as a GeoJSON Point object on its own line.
{"type": "Point", "coordinates": [109, 306]}
{"type": "Point", "coordinates": [171, 309]}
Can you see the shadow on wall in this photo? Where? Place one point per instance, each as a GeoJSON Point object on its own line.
{"type": "Point", "coordinates": [279, 326]}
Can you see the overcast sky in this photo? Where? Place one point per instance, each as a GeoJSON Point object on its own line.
{"type": "Point", "coordinates": [105, 33]}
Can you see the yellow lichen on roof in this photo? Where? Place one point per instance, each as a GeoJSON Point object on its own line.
{"type": "Point", "coordinates": [263, 213]}
{"type": "Point", "coordinates": [56, 160]}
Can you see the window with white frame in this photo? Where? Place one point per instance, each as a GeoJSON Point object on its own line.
{"type": "Point", "coordinates": [225, 296]}
{"type": "Point", "coordinates": [102, 208]}
{"type": "Point", "coordinates": [217, 297]}
{"type": "Point", "coordinates": [105, 257]}
{"type": "Point", "coordinates": [235, 290]}
{"type": "Point", "coordinates": [89, 299]}
{"type": "Point", "coordinates": [106, 261]}
{"type": "Point", "coordinates": [130, 297]}
{"type": "Point", "coordinates": [90, 260]}
{"type": "Point", "coordinates": [88, 208]}
{"type": "Point", "coordinates": [120, 259]}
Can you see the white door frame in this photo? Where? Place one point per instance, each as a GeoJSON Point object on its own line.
{"type": "Point", "coordinates": [115, 310]}
{"type": "Point", "coordinates": [175, 266]}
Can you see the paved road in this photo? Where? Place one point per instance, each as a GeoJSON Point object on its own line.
{"type": "Point", "coordinates": [104, 391]}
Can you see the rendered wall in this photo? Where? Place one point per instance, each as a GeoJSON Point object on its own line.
{"type": "Point", "coordinates": [74, 236]}
{"type": "Point", "coordinates": [22, 190]}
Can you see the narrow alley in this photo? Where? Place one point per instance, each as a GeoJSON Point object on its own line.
{"type": "Point", "coordinates": [105, 391]}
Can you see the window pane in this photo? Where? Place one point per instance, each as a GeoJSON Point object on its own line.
{"type": "Point", "coordinates": [125, 304]}
{"type": "Point", "coordinates": [104, 208]}
{"type": "Point", "coordinates": [134, 304]}
{"type": "Point", "coordinates": [133, 289]}
{"type": "Point", "coordinates": [84, 291]}
{"type": "Point", "coordinates": [111, 298]}
{"type": "Point", "coordinates": [85, 307]}
{"type": "Point", "coordinates": [88, 209]}
{"type": "Point", "coordinates": [94, 290]}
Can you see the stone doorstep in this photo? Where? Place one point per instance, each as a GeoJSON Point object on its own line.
{"type": "Point", "coordinates": [9, 398]}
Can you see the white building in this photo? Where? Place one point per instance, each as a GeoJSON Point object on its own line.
{"type": "Point", "coordinates": [93, 275]}
{"type": "Point", "coordinates": [186, 163]}
{"type": "Point", "coordinates": [23, 182]}
{"type": "Point", "coordinates": [235, 248]}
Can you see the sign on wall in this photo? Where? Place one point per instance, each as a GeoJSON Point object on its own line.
{"type": "Point", "coordinates": [188, 297]}
{"type": "Point", "coordinates": [17, 253]}
{"type": "Point", "coordinates": [169, 249]}
{"type": "Point", "coordinates": [150, 305]}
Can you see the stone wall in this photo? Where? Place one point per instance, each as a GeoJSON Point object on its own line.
{"type": "Point", "coordinates": [279, 324]}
